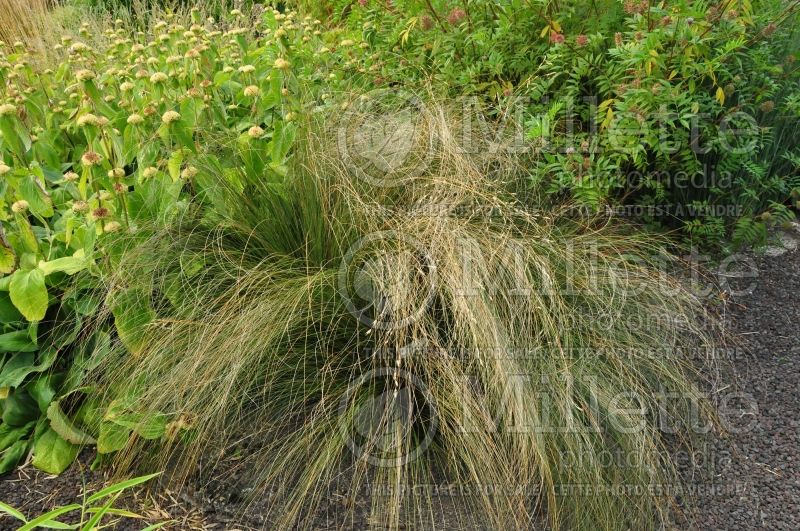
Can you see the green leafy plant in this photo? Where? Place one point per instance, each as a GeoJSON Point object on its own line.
{"type": "Point", "coordinates": [112, 144]}
{"type": "Point", "coordinates": [91, 510]}
{"type": "Point", "coordinates": [685, 108]}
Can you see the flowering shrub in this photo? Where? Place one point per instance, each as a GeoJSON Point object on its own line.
{"type": "Point", "coordinates": [103, 149]}
{"type": "Point", "coordinates": [683, 110]}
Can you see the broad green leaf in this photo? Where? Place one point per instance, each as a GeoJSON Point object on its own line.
{"type": "Point", "coordinates": [8, 312]}
{"type": "Point", "coordinates": [11, 137]}
{"type": "Point", "coordinates": [282, 139]}
{"type": "Point", "coordinates": [174, 164]}
{"type": "Point", "coordinates": [10, 434]}
{"type": "Point", "coordinates": [8, 259]}
{"type": "Point", "coordinates": [65, 428]}
{"type": "Point", "coordinates": [68, 264]}
{"type": "Point", "coordinates": [19, 408]}
{"type": "Point", "coordinates": [151, 427]}
{"type": "Point", "coordinates": [29, 293]}
{"type": "Point", "coordinates": [17, 368]}
{"type": "Point", "coordinates": [42, 389]}
{"type": "Point", "coordinates": [112, 438]}
{"type": "Point", "coordinates": [39, 201]}
{"type": "Point", "coordinates": [26, 235]}
{"type": "Point", "coordinates": [53, 454]}
{"type": "Point", "coordinates": [21, 364]}
{"type": "Point", "coordinates": [132, 313]}
{"type": "Point", "coordinates": [13, 455]}
{"type": "Point", "coordinates": [18, 341]}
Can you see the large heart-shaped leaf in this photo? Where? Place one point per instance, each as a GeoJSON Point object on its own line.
{"type": "Point", "coordinates": [132, 314]}
{"type": "Point", "coordinates": [113, 437]}
{"type": "Point", "coordinates": [29, 293]}
{"type": "Point", "coordinates": [68, 264]}
{"type": "Point", "coordinates": [22, 364]}
{"type": "Point", "coordinates": [8, 260]}
{"type": "Point", "coordinates": [36, 196]}
{"type": "Point", "coordinates": [52, 454]}
{"type": "Point", "coordinates": [12, 455]}
{"type": "Point", "coordinates": [65, 428]}
{"type": "Point", "coordinates": [17, 341]}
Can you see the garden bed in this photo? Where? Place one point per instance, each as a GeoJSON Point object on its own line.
{"type": "Point", "coordinates": [744, 481]}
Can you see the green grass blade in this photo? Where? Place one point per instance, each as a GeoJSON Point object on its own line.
{"type": "Point", "coordinates": [117, 487]}
{"type": "Point", "coordinates": [157, 526]}
{"type": "Point", "coordinates": [55, 524]}
{"type": "Point", "coordinates": [99, 514]}
{"type": "Point", "coordinates": [116, 512]}
{"type": "Point", "coordinates": [13, 512]}
{"type": "Point", "coordinates": [49, 517]}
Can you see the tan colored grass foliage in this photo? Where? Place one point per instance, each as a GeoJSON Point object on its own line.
{"type": "Point", "coordinates": [345, 336]}
{"type": "Point", "coordinates": [24, 21]}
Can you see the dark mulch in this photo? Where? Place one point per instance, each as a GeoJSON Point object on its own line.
{"type": "Point", "coordinates": [748, 480]}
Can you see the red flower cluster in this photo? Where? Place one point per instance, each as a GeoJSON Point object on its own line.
{"type": "Point", "coordinates": [456, 16]}
{"type": "Point", "coordinates": [636, 8]}
{"type": "Point", "coordinates": [556, 38]}
{"type": "Point", "coordinates": [581, 40]}
{"type": "Point", "coordinates": [426, 22]}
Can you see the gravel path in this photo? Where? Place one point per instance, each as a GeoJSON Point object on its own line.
{"type": "Point", "coordinates": [751, 480]}
{"type": "Point", "coordinates": [755, 480]}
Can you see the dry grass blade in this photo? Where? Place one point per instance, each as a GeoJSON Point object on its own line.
{"type": "Point", "coordinates": [23, 20]}
{"type": "Point", "coordinates": [362, 338]}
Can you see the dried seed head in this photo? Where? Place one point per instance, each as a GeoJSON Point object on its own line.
{"type": "Point", "coordinates": [19, 207]}
{"type": "Point", "coordinates": [91, 158]}
{"type": "Point", "coordinates": [71, 176]}
{"type": "Point", "coordinates": [100, 213]}
{"type": "Point", "coordinates": [255, 132]}
{"type": "Point", "coordinates": [88, 119]}
{"type": "Point", "coordinates": [84, 75]}
{"type": "Point", "coordinates": [158, 77]}
{"type": "Point", "coordinates": [189, 172]}
{"type": "Point", "coordinates": [112, 226]}
{"type": "Point", "coordinates": [80, 206]}
{"type": "Point", "coordinates": [170, 116]}
{"type": "Point", "coordinates": [252, 91]}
